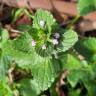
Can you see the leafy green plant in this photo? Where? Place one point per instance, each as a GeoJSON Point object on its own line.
{"type": "Point", "coordinates": [86, 6]}
{"type": "Point", "coordinates": [37, 50]}
{"type": "Point", "coordinates": [33, 62]}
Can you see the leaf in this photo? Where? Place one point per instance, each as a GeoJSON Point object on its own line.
{"type": "Point", "coordinates": [17, 14]}
{"type": "Point", "coordinates": [5, 63]}
{"type": "Point", "coordinates": [21, 50]}
{"type": "Point", "coordinates": [24, 27]}
{"type": "Point", "coordinates": [89, 84]}
{"type": "Point", "coordinates": [3, 36]}
{"type": "Point", "coordinates": [83, 74]}
{"type": "Point", "coordinates": [86, 6]}
{"type": "Point", "coordinates": [74, 92]}
{"type": "Point", "coordinates": [45, 71]}
{"type": "Point", "coordinates": [28, 87]}
{"type": "Point", "coordinates": [74, 77]}
{"type": "Point", "coordinates": [69, 39]}
{"type": "Point", "coordinates": [2, 69]}
{"type": "Point", "coordinates": [45, 16]}
{"type": "Point", "coordinates": [69, 61]}
{"type": "Point", "coordinates": [21, 58]}
{"type": "Point", "coordinates": [4, 88]}
{"type": "Point", "coordinates": [86, 47]}
{"type": "Point", "coordinates": [89, 44]}
{"type": "Point", "coordinates": [22, 43]}
{"type": "Point", "coordinates": [53, 91]}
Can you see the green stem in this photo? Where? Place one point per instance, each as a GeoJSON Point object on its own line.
{"type": "Point", "coordinates": [73, 21]}
{"type": "Point", "coordinates": [28, 14]}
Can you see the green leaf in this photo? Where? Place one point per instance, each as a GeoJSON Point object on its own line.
{"type": "Point", "coordinates": [70, 61]}
{"type": "Point", "coordinates": [28, 87]}
{"type": "Point", "coordinates": [17, 14]}
{"type": "Point", "coordinates": [74, 77]}
{"type": "Point", "coordinates": [22, 43]}
{"type": "Point", "coordinates": [89, 44]}
{"type": "Point", "coordinates": [21, 50]}
{"type": "Point", "coordinates": [45, 71]}
{"type": "Point", "coordinates": [53, 91]}
{"type": "Point", "coordinates": [83, 74]}
{"type": "Point", "coordinates": [89, 84]}
{"type": "Point", "coordinates": [21, 58]}
{"type": "Point", "coordinates": [74, 92]}
{"type": "Point", "coordinates": [4, 88]}
{"type": "Point", "coordinates": [86, 6]}
{"type": "Point", "coordinates": [5, 63]}
{"type": "Point", "coordinates": [45, 16]}
{"type": "Point", "coordinates": [24, 27]}
{"type": "Point", "coordinates": [3, 36]}
{"type": "Point", "coordinates": [86, 47]}
{"type": "Point", "coordinates": [69, 39]}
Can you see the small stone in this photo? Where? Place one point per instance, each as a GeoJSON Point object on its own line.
{"type": "Point", "coordinates": [55, 41]}
{"type": "Point", "coordinates": [42, 23]}
{"type": "Point", "coordinates": [43, 47]}
{"type": "Point", "coordinates": [33, 43]}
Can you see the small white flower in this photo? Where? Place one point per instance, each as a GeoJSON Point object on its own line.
{"type": "Point", "coordinates": [57, 35]}
{"type": "Point", "coordinates": [43, 47]}
{"type": "Point", "coordinates": [42, 23]}
{"type": "Point", "coordinates": [55, 41]}
{"type": "Point", "coordinates": [33, 43]}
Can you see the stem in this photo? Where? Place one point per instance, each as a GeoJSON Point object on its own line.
{"type": "Point", "coordinates": [73, 21]}
{"type": "Point", "coordinates": [28, 14]}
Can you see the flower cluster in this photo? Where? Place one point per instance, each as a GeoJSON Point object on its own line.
{"type": "Point", "coordinates": [54, 40]}
{"type": "Point", "coordinates": [33, 43]}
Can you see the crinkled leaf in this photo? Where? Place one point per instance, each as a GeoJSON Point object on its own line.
{"type": "Point", "coordinates": [45, 16]}
{"type": "Point", "coordinates": [20, 57]}
{"type": "Point", "coordinates": [69, 39]}
{"type": "Point", "coordinates": [45, 71]}
{"type": "Point", "coordinates": [23, 43]}
{"type": "Point", "coordinates": [86, 6]}
{"type": "Point", "coordinates": [21, 50]}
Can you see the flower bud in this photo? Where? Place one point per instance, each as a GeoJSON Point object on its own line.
{"type": "Point", "coordinates": [43, 47]}
{"type": "Point", "coordinates": [57, 35]}
{"type": "Point", "coordinates": [33, 43]}
{"type": "Point", "coordinates": [55, 41]}
{"type": "Point", "coordinates": [42, 23]}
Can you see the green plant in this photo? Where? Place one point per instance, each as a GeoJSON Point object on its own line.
{"type": "Point", "coordinates": [33, 62]}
